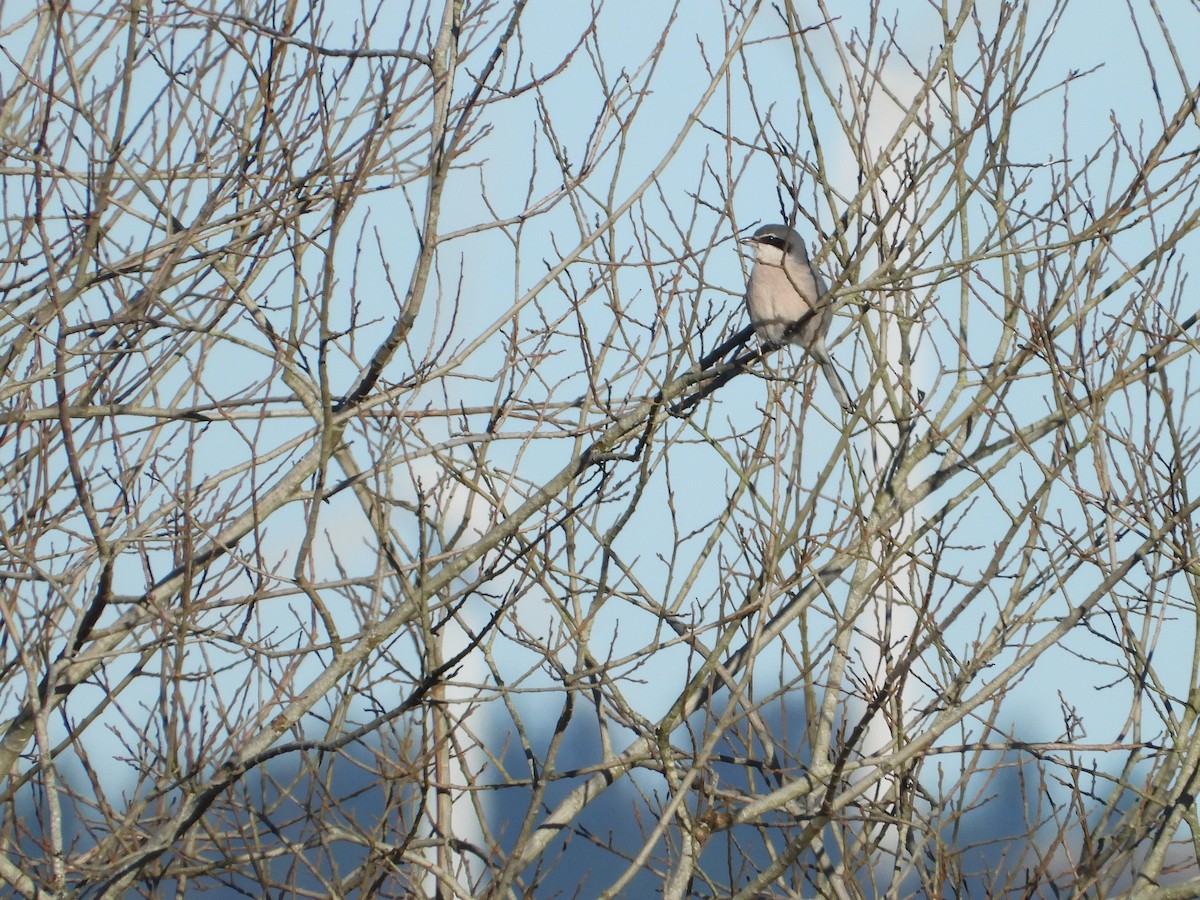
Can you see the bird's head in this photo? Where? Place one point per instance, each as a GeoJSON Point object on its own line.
{"type": "Point", "coordinates": [772, 242]}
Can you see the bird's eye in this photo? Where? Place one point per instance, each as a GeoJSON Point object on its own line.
{"type": "Point", "coordinates": [773, 241]}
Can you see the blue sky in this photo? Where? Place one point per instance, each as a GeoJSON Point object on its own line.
{"type": "Point", "coordinates": [675, 288]}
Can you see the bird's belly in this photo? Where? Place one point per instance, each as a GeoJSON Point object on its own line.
{"type": "Point", "coordinates": [774, 304]}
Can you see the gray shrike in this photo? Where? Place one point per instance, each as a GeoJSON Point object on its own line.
{"type": "Point", "coordinates": [787, 301]}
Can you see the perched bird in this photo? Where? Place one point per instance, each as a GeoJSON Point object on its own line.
{"type": "Point", "coordinates": [787, 299]}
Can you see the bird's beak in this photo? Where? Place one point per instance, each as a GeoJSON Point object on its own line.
{"type": "Point", "coordinates": [747, 241]}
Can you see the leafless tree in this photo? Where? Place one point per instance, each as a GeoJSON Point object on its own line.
{"type": "Point", "coordinates": [395, 503]}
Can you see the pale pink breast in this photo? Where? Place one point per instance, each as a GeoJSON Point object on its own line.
{"type": "Point", "coordinates": [776, 304]}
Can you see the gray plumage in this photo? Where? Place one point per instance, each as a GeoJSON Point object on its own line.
{"type": "Point", "coordinates": [788, 301]}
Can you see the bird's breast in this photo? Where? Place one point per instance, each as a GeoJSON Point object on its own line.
{"type": "Point", "coordinates": [774, 303]}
